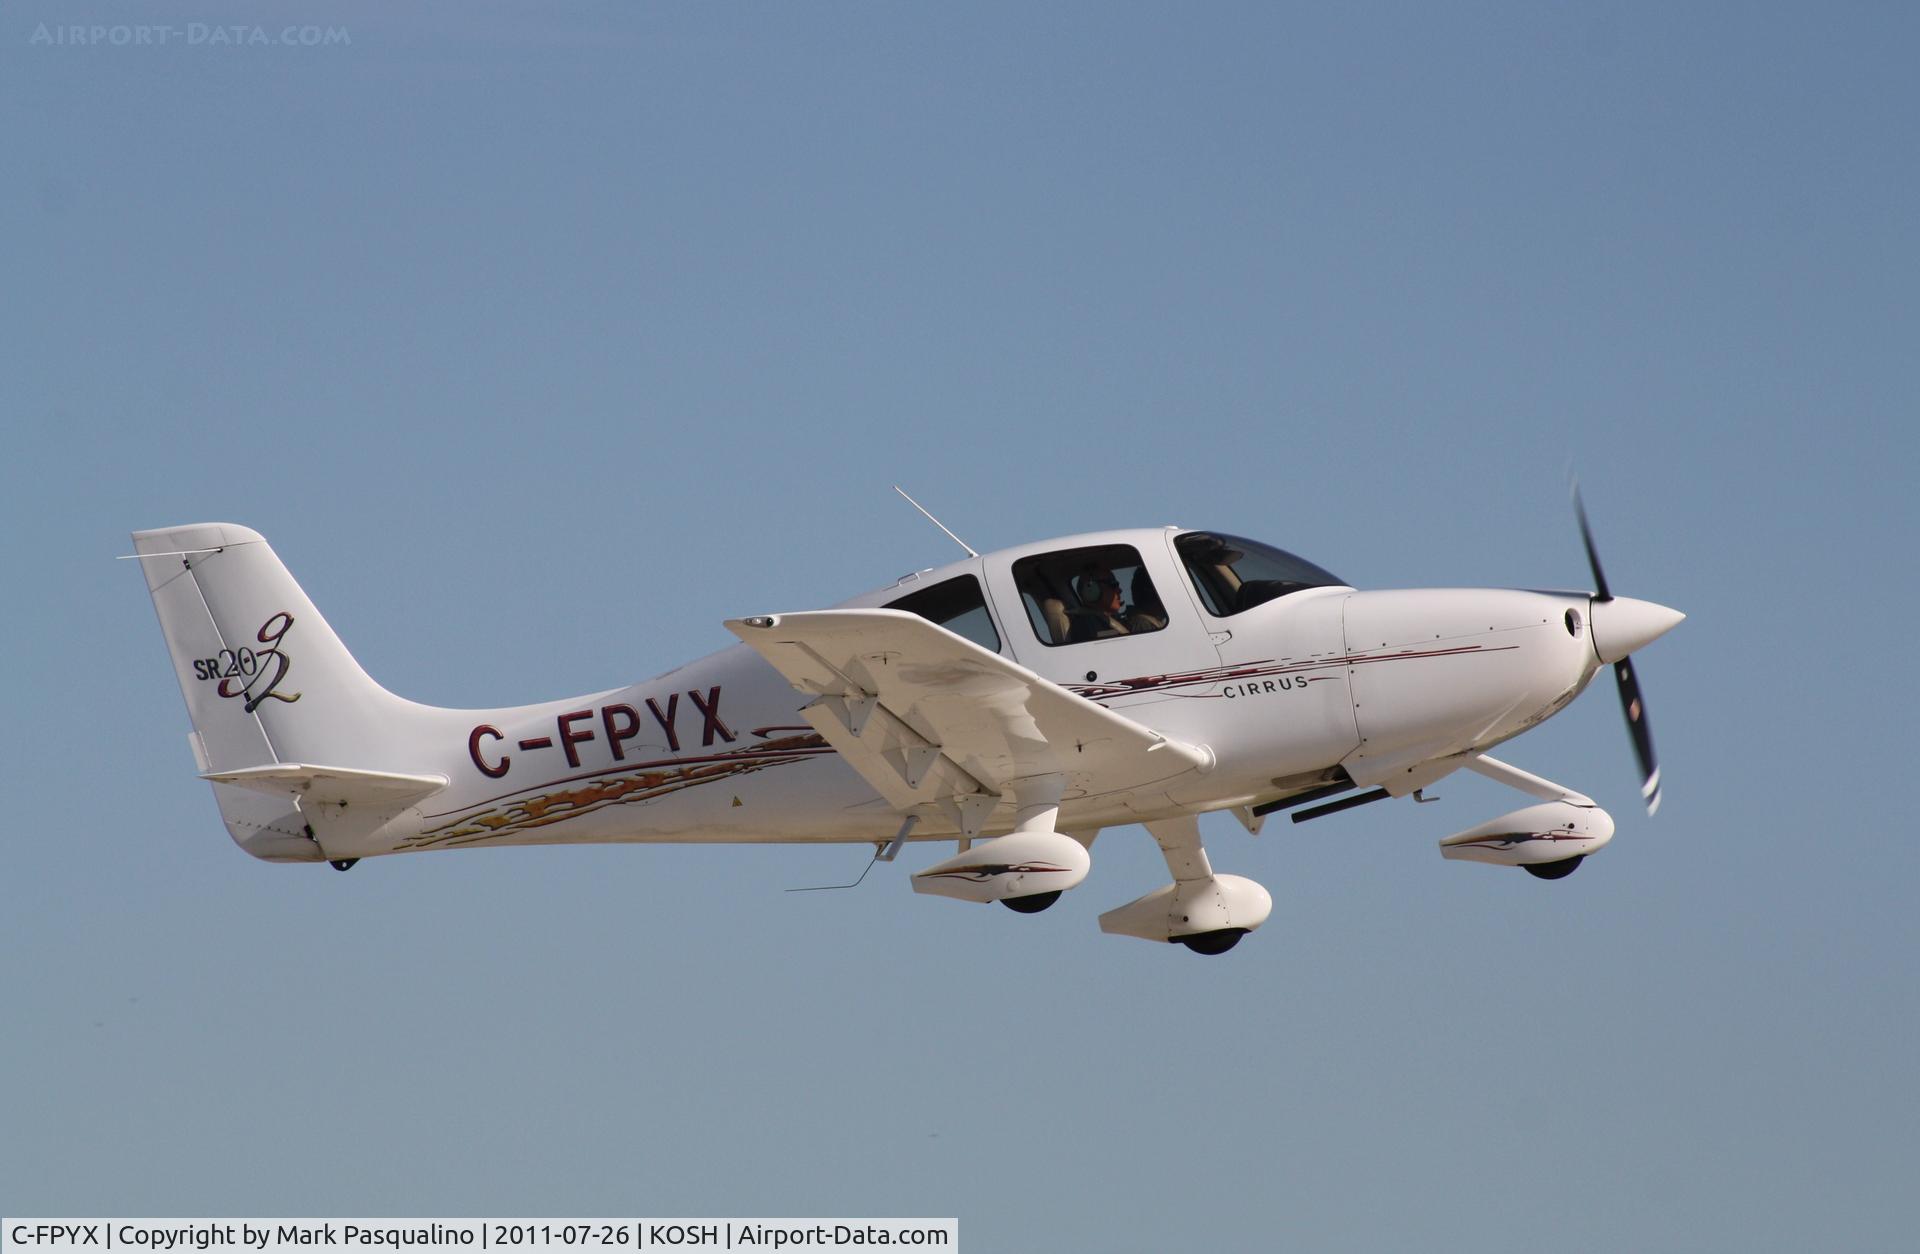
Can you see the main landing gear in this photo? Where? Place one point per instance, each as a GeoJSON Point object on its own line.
{"type": "Point", "coordinates": [343, 864]}
{"type": "Point", "coordinates": [1205, 911]}
{"type": "Point", "coordinates": [1033, 903]}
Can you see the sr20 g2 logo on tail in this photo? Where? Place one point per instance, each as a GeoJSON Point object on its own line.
{"type": "Point", "coordinates": [253, 675]}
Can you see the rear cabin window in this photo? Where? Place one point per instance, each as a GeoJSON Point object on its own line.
{"type": "Point", "coordinates": [959, 606]}
{"type": "Point", "coordinates": [1233, 575]}
{"type": "Point", "coordinates": [1078, 595]}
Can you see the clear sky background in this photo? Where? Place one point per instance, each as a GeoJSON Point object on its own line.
{"type": "Point", "coordinates": [540, 339]}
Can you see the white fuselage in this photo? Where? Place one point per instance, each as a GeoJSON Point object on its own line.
{"type": "Point", "coordinates": [1387, 685]}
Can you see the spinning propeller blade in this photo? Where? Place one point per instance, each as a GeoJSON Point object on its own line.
{"type": "Point", "coordinates": [1642, 735]}
{"type": "Point", "coordinates": [1629, 624]}
{"type": "Point", "coordinates": [1600, 592]}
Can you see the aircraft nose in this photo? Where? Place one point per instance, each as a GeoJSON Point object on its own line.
{"type": "Point", "coordinates": [1623, 625]}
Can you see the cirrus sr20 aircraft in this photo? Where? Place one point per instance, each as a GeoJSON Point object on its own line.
{"type": "Point", "coordinates": [1013, 703]}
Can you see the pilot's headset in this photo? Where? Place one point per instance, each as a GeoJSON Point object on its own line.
{"type": "Point", "coordinates": [1088, 585]}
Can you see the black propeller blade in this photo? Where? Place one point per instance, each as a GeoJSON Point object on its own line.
{"type": "Point", "coordinates": [1600, 592]}
{"type": "Point", "coordinates": [1630, 703]}
{"type": "Point", "coordinates": [1642, 735]}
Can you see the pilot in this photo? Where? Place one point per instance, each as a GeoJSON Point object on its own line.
{"type": "Point", "coordinates": [1149, 614]}
{"type": "Point", "coordinates": [1102, 612]}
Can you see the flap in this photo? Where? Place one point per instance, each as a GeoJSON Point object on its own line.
{"type": "Point", "coordinates": [930, 718]}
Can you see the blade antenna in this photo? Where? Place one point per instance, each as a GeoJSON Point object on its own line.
{"type": "Point", "coordinates": [935, 521]}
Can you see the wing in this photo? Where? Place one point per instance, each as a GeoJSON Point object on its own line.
{"type": "Point", "coordinates": [938, 724]}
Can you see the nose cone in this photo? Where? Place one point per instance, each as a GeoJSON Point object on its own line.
{"type": "Point", "coordinates": [1624, 625]}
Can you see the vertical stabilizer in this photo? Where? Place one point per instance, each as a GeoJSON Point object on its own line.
{"type": "Point", "coordinates": [266, 680]}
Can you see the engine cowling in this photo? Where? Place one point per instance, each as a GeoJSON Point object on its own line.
{"type": "Point", "coordinates": [1191, 908]}
{"type": "Point", "coordinates": [1019, 864]}
{"type": "Point", "coordinates": [1550, 832]}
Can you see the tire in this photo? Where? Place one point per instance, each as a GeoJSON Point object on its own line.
{"type": "Point", "coordinates": [1218, 942]}
{"type": "Point", "coordinates": [1031, 904]}
{"type": "Point", "coordinates": [1555, 870]}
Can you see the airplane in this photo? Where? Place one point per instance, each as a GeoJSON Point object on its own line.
{"type": "Point", "coordinates": [1015, 703]}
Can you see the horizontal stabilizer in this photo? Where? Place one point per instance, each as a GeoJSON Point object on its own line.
{"type": "Point", "coordinates": [333, 785]}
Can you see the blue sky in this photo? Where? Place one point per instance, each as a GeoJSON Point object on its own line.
{"type": "Point", "coordinates": [538, 343]}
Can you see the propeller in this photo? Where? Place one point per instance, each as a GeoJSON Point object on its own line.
{"type": "Point", "coordinates": [1621, 625]}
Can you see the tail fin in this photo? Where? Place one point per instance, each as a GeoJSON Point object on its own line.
{"type": "Point", "coordinates": [267, 682]}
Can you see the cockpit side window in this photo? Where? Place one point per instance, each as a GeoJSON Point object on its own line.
{"type": "Point", "coordinates": [956, 604]}
{"type": "Point", "coordinates": [1232, 574]}
{"type": "Point", "coordinates": [1097, 593]}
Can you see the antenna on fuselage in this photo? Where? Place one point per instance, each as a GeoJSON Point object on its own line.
{"type": "Point", "coordinates": [935, 521]}
{"type": "Point", "coordinates": [881, 853]}
{"type": "Point", "coordinates": [828, 888]}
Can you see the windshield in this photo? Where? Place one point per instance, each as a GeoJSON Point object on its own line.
{"type": "Point", "coordinates": [1233, 574]}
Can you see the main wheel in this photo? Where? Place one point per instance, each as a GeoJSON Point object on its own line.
{"type": "Point", "coordinates": [1213, 942]}
{"type": "Point", "coordinates": [1556, 870]}
{"type": "Point", "coordinates": [1032, 904]}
